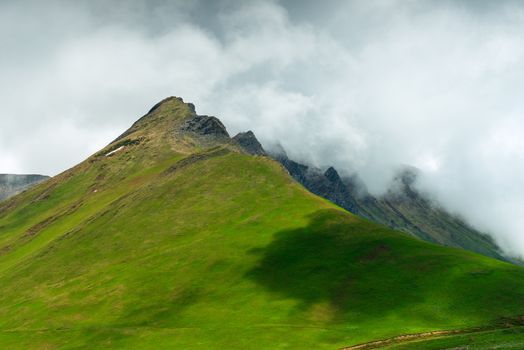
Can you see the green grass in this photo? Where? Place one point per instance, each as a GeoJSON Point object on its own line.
{"type": "Point", "coordinates": [156, 248]}
{"type": "Point", "coordinates": [496, 339]}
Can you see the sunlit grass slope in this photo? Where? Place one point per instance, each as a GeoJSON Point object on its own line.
{"type": "Point", "coordinates": [507, 339]}
{"type": "Point", "coordinates": [174, 241]}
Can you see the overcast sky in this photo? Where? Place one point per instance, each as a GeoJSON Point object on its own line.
{"type": "Point", "coordinates": [364, 85]}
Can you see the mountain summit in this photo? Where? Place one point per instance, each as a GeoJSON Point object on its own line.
{"type": "Point", "coordinates": [175, 237]}
{"type": "Point", "coordinates": [174, 123]}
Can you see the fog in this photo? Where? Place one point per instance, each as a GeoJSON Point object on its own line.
{"type": "Point", "coordinates": [363, 85]}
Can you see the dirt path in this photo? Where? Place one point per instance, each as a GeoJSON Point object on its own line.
{"type": "Point", "coordinates": [406, 338]}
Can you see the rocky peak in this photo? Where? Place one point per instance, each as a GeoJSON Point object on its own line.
{"type": "Point", "coordinates": [172, 118]}
{"type": "Point", "coordinates": [332, 175]}
{"type": "Point", "coordinates": [165, 101]}
{"type": "Point", "coordinates": [404, 184]}
{"type": "Point", "coordinates": [277, 152]}
{"type": "Point", "coordinates": [249, 143]}
{"type": "Point", "coordinates": [160, 118]}
{"type": "Point", "coordinates": [408, 176]}
{"type": "Point", "coordinates": [191, 122]}
{"type": "Point", "coordinates": [205, 126]}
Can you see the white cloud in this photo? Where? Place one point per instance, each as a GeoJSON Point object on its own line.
{"type": "Point", "coordinates": [364, 85]}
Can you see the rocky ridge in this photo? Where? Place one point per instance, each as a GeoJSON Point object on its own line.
{"type": "Point", "coordinates": [250, 144]}
{"type": "Point", "coordinates": [402, 207]}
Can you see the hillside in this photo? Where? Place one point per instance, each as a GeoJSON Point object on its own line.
{"type": "Point", "coordinates": [11, 184]}
{"type": "Point", "coordinates": [174, 237]}
{"type": "Point", "coordinates": [401, 208]}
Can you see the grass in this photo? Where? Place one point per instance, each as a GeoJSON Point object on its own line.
{"type": "Point", "coordinates": [495, 339]}
{"type": "Point", "coordinates": [155, 247]}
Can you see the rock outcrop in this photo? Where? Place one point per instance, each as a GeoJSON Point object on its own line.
{"type": "Point", "coordinates": [205, 126]}
{"type": "Point", "coordinates": [249, 143]}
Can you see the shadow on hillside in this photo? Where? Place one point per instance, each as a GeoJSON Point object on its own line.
{"type": "Point", "coordinates": [339, 260]}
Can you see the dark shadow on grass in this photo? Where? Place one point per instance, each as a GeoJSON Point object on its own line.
{"type": "Point", "coordinates": [336, 259]}
{"type": "Point", "coordinates": [363, 270]}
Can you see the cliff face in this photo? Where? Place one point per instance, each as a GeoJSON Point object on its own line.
{"type": "Point", "coordinates": [13, 184]}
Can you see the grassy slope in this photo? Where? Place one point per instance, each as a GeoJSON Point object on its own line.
{"type": "Point", "coordinates": [497, 339]}
{"type": "Point", "coordinates": [156, 248]}
{"type": "Point", "coordinates": [416, 214]}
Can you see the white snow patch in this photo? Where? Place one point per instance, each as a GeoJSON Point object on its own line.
{"type": "Point", "coordinates": [116, 150]}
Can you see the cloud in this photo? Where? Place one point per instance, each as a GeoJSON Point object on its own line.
{"type": "Point", "coordinates": [362, 85]}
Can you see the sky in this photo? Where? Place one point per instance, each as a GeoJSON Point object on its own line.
{"type": "Point", "coordinates": [367, 86]}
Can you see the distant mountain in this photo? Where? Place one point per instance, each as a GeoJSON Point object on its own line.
{"type": "Point", "coordinates": [402, 208]}
{"type": "Point", "coordinates": [177, 236]}
{"type": "Point", "coordinates": [11, 184]}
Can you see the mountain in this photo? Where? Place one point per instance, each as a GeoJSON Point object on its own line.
{"type": "Point", "coordinates": [175, 237]}
{"type": "Point", "coordinates": [11, 184]}
{"type": "Point", "coordinates": [402, 208]}
{"type": "Point", "coordinates": [249, 143]}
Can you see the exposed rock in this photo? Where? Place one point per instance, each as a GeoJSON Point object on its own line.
{"type": "Point", "coordinates": [11, 185]}
{"type": "Point", "coordinates": [403, 185]}
{"type": "Point", "coordinates": [249, 143]}
{"type": "Point", "coordinates": [206, 126]}
{"type": "Point", "coordinates": [298, 171]}
{"type": "Point", "coordinates": [326, 184]}
{"type": "Point", "coordinates": [172, 118]}
{"type": "Point", "coordinates": [332, 175]}
{"type": "Point", "coordinates": [408, 175]}
{"type": "Point", "coordinates": [402, 207]}
{"type": "Point", "coordinates": [277, 151]}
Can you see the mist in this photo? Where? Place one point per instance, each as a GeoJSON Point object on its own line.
{"type": "Point", "coordinates": [365, 86]}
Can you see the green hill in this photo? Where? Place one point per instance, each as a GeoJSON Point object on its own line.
{"type": "Point", "coordinates": [173, 237]}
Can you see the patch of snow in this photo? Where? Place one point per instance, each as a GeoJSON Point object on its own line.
{"type": "Point", "coordinates": [116, 150]}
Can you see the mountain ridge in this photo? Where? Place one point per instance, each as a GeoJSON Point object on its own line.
{"type": "Point", "coordinates": [402, 207]}
{"type": "Point", "coordinates": [178, 240]}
